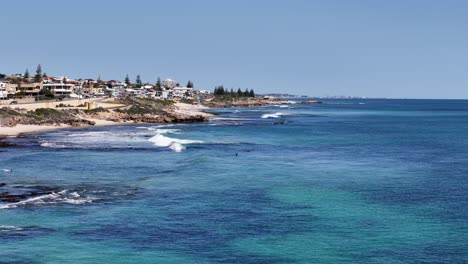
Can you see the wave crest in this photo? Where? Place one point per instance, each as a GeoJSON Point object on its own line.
{"type": "Point", "coordinates": [275, 115]}
{"type": "Point", "coordinates": [62, 197]}
{"type": "Point", "coordinates": [175, 144]}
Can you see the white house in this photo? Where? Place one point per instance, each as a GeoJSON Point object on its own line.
{"type": "Point", "coordinates": [57, 86]}
{"type": "Point", "coordinates": [204, 92]}
{"type": "Point", "coordinates": [166, 94]}
{"type": "Point", "coordinates": [169, 84]}
{"type": "Point", "coordinates": [3, 90]}
{"type": "Point", "coordinates": [182, 92]}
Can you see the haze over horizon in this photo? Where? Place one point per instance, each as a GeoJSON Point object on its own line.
{"type": "Point", "coordinates": [396, 49]}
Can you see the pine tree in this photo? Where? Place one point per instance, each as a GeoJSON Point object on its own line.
{"type": "Point", "coordinates": [190, 84]}
{"type": "Point", "coordinates": [38, 76]}
{"type": "Point", "coordinates": [44, 75]}
{"type": "Point", "coordinates": [127, 80]}
{"type": "Point", "coordinates": [219, 90]}
{"type": "Point", "coordinates": [239, 92]}
{"type": "Point", "coordinates": [26, 74]}
{"type": "Point", "coordinates": [246, 93]}
{"type": "Point", "coordinates": [138, 81]}
{"type": "Point", "coordinates": [158, 84]}
{"type": "Point", "coordinates": [251, 93]}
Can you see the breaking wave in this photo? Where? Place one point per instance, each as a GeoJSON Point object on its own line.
{"type": "Point", "coordinates": [176, 144]}
{"type": "Point", "coordinates": [4, 228]}
{"type": "Point", "coordinates": [62, 197]}
{"type": "Point", "coordinates": [275, 115]}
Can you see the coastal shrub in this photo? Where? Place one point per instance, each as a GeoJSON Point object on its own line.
{"type": "Point", "coordinates": [186, 101]}
{"type": "Point", "coordinates": [96, 110]}
{"type": "Point", "coordinates": [47, 112]}
{"type": "Point", "coordinates": [8, 112]}
{"type": "Point", "coordinates": [145, 105]}
{"type": "Point", "coordinates": [138, 110]}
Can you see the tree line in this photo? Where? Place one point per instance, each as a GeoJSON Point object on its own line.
{"type": "Point", "coordinates": [220, 91]}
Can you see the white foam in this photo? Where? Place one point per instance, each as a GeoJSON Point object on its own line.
{"type": "Point", "coordinates": [53, 198]}
{"type": "Point", "coordinates": [177, 147]}
{"type": "Point", "coordinates": [167, 130]}
{"type": "Point", "coordinates": [4, 228]}
{"type": "Point", "coordinates": [48, 144]}
{"type": "Point", "coordinates": [175, 144]}
{"type": "Point", "coordinates": [275, 115]}
{"type": "Point", "coordinates": [284, 106]}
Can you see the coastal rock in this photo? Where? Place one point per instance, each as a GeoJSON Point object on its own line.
{"type": "Point", "coordinates": [6, 144]}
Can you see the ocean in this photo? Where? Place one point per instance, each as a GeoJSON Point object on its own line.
{"type": "Point", "coordinates": [346, 181]}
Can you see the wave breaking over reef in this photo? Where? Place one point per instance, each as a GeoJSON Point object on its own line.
{"type": "Point", "coordinates": [17, 196]}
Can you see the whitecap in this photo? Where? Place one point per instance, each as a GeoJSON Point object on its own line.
{"type": "Point", "coordinates": [49, 144]}
{"type": "Point", "coordinates": [275, 115]}
{"type": "Point", "coordinates": [167, 130]}
{"type": "Point", "coordinates": [52, 198]}
{"type": "Point", "coordinates": [5, 228]}
{"type": "Point", "coordinates": [175, 144]}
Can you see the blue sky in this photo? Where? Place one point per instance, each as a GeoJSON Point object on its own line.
{"type": "Point", "coordinates": [376, 48]}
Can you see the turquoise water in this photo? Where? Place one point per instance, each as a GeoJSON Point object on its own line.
{"type": "Point", "coordinates": [360, 181]}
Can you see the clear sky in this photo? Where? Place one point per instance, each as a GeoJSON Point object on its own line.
{"type": "Point", "coordinates": [376, 48]}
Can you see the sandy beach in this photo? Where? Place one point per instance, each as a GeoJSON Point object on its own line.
{"type": "Point", "coordinates": [24, 129]}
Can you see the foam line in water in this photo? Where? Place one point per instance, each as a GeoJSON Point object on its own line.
{"type": "Point", "coordinates": [52, 198]}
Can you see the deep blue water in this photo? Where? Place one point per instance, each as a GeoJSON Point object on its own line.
{"type": "Point", "coordinates": [348, 181]}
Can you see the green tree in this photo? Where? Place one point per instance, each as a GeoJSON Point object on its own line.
{"type": "Point", "coordinates": [26, 74]}
{"type": "Point", "coordinates": [239, 92]}
{"type": "Point", "coordinates": [219, 90]}
{"type": "Point", "coordinates": [138, 81]}
{"type": "Point", "coordinates": [251, 93]}
{"type": "Point", "coordinates": [190, 84]}
{"type": "Point", "coordinates": [44, 75]}
{"type": "Point", "coordinates": [38, 76]}
{"type": "Point", "coordinates": [127, 80]}
{"type": "Point", "coordinates": [158, 84]}
{"type": "Point", "coordinates": [246, 93]}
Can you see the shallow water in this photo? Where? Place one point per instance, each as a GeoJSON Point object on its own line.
{"type": "Point", "coordinates": [364, 181]}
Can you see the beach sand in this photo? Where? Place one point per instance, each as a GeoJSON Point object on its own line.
{"type": "Point", "coordinates": [21, 129]}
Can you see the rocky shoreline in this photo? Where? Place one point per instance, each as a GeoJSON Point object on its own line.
{"type": "Point", "coordinates": [137, 110]}
{"type": "Point", "coordinates": [16, 121]}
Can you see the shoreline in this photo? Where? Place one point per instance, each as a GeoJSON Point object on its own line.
{"type": "Point", "coordinates": [19, 129]}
